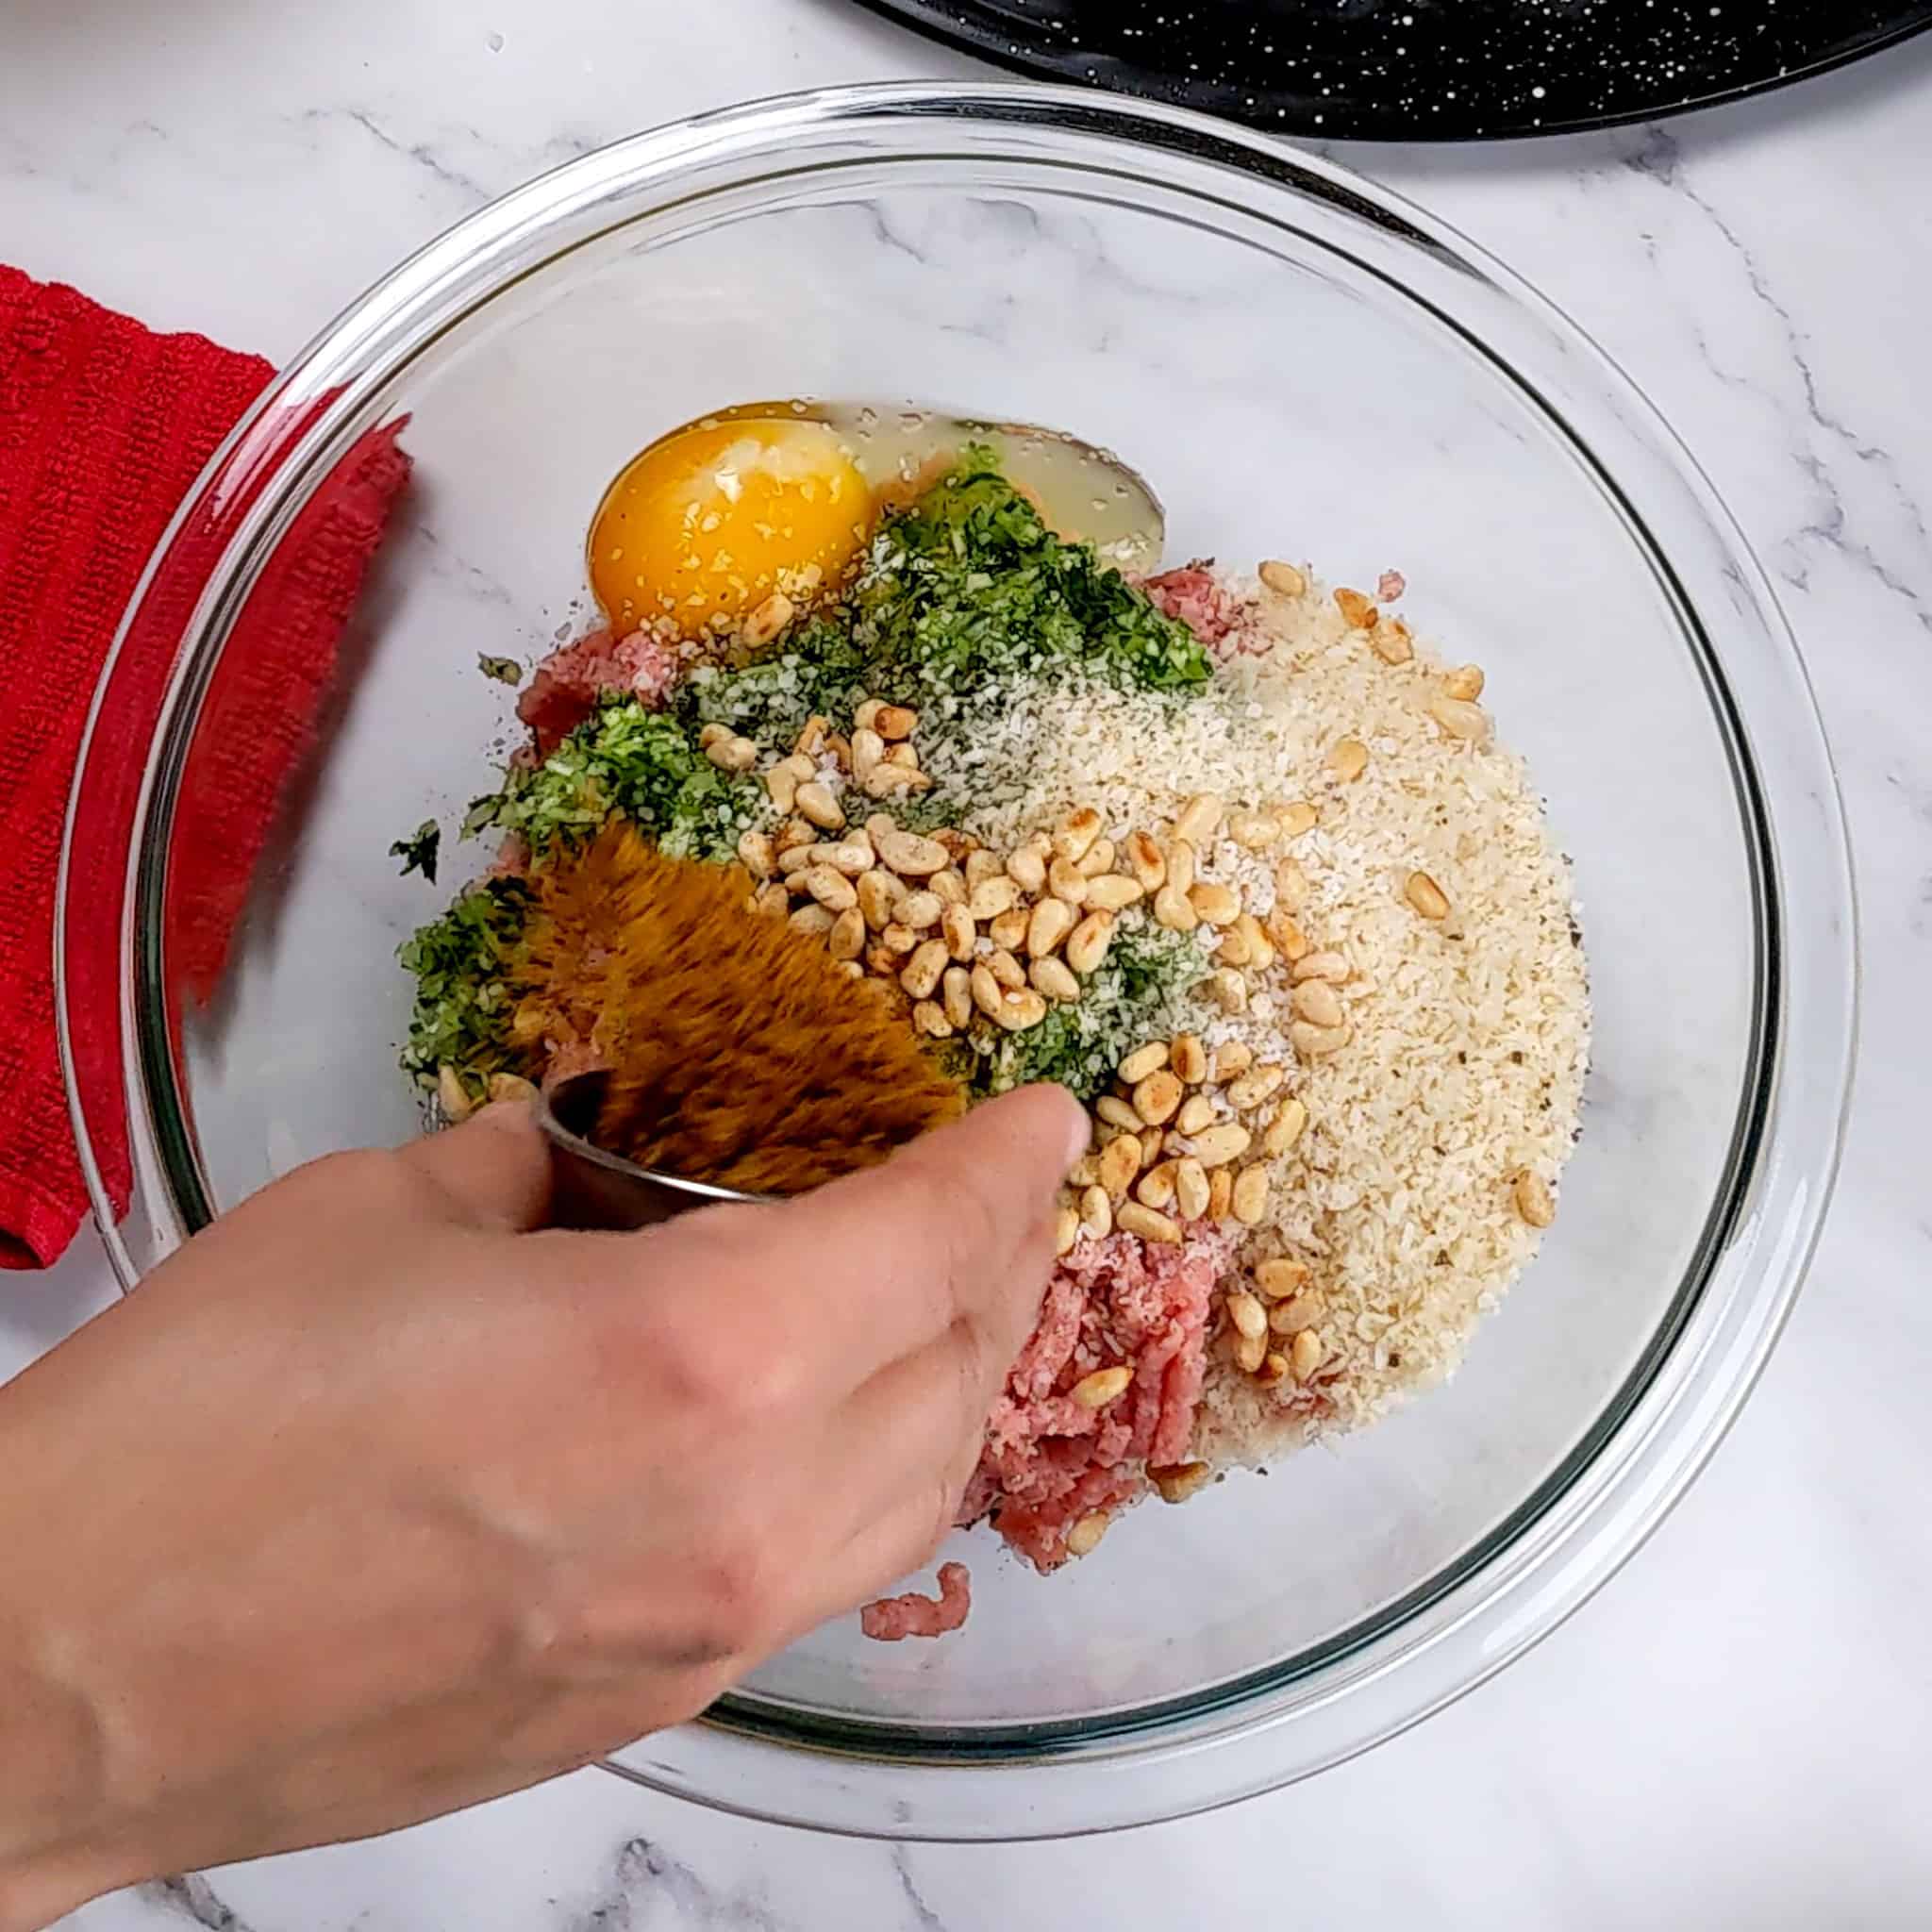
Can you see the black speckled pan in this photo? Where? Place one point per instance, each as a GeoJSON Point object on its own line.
{"type": "Point", "coordinates": [1422, 70]}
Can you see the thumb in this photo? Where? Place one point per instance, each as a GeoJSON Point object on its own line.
{"type": "Point", "coordinates": [956, 1226]}
{"type": "Point", "coordinates": [493, 1172]}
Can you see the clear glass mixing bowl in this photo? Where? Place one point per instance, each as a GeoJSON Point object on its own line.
{"type": "Point", "coordinates": [1304, 366]}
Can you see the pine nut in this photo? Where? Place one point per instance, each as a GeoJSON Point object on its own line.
{"type": "Point", "coordinates": [772, 899]}
{"type": "Point", "coordinates": [714, 734]}
{"type": "Point", "coordinates": [1464, 684]}
{"type": "Point", "coordinates": [863, 716]}
{"type": "Point", "coordinates": [1261, 947]}
{"type": "Point", "coordinates": [908, 854]}
{"type": "Point", "coordinates": [1065, 880]}
{"type": "Point", "coordinates": [1102, 1386]}
{"type": "Point", "coordinates": [730, 754]}
{"type": "Point", "coordinates": [956, 844]}
{"type": "Point", "coordinates": [1173, 910]}
{"type": "Point", "coordinates": [1152, 1146]}
{"type": "Point", "coordinates": [1142, 1061]}
{"type": "Point", "coordinates": [950, 886]}
{"type": "Point", "coordinates": [816, 802]}
{"type": "Point", "coordinates": [781, 785]}
{"type": "Point", "coordinates": [1328, 965]}
{"type": "Point", "coordinates": [1019, 1011]}
{"type": "Point", "coordinates": [1390, 641]}
{"type": "Point", "coordinates": [1117, 1113]}
{"type": "Point", "coordinates": [846, 940]}
{"type": "Point", "coordinates": [1155, 1189]}
{"type": "Point", "coordinates": [1120, 1162]}
{"type": "Point", "coordinates": [1147, 862]}
{"type": "Point", "coordinates": [1290, 886]}
{"type": "Point", "coordinates": [930, 1019]}
{"type": "Point", "coordinates": [897, 938]}
{"type": "Point", "coordinates": [830, 888]}
{"type": "Point", "coordinates": [1274, 1370]}
{"type": "Point", "coordinates": [1197, 1112]}
{"type": "Point", "coordinates": [1214, 904]}
{"type": "Point", "coordinates": [1288, 938]}
{"type": "Point", "coordinates": [1349, 759]}
{"type": "Point", "coordinates": [1317, 1003]}
{"type": "Point", "coordinates": [1076, 833]}
{"type": "Point", "coordinates": [991, 896]}
{"type": "Point", "coordinates": [813, 920]}
{"type": "Point", "coordinates": [1250, 1352]}
{"type": "Point", "coordinates": [1008, 930]}
{"type": "Point", "coordinates": [879, 900]}
{"type": "Point", "coordinates": [1157, 1095]}
{"type": "Point", "coordinates": [1253, 831]}
{"type": "Point", "coordinates": [923, 970]}
{"type": "Point", "coordinates": [1190, 1187]}
{"type": "Point", "coordinates": [452, 1096]}
{"type": "Point", "coordinates": [1220, 1193]}
{"type": "Point", "coordinates": [1096, 1213]}
{"type": "Point", "coordinates": [1232, 1057]}
{"type": "Point", "coordinates": [1282, 579]}
{"type": "Point", "coordinates": [1098, 861]}
{"type": "Point", "coordinates": [1280, 1278]}
{"type": "Point", "coordinates": [1256, 1086]}
{"type": "Point", "coordinates": [1229, 989]}
{"type": "Point", "coordinates": [1028, 870]}
{"type": "Point", "coordinates": [811, 739]}
{"type": "Point", "coordinates": [1293, 1316]}
{"type": "Point", "coordinates": [1200, 818]}
{"type": "Point", "coordinates": [1217, 1146]}
{"type": "Point", "coordinates": [1176, 1482]}
{"type": "Point", "coordinates": [986, 992]}
{"type": "Point", "coordinates": [959, 931]}
{"type": "Point", "coordinates": [894, 722]}
{"type": "Point", "coordinates": [1427, 896]}
{"type": "Point", "coordinates": [1189, 1058]}
{"type": "Point", "coordinates": [1305, 1356]}
{"type": "Point", "coordinates": [956, 995]}
{"type": "Point", "coordinates": [1148, 1223]}
{"type": "Point", "coordinates": [922, 911]}
{"type": "Point", "coordinates": [1087, 943]}
{"type": "Point", "coordinates": [1066, 1228]}
{"type": "Point", "coordinates": [884, 781]}
{"type": "Point", "coordinates": [1358, 611]}
{"type": "Point", "coordinates": [1285, 1129]}
{"type": "Point", "coordinates": [768, 619]}
{"type": "Point", "coordinates": [1312, 1043]}
{"type": "Point", "coordinates": [1006, 969]}
{"type": "Point", "coordinates": [979, 866]}
{"type": "Point", "coordinates": [1248, 1316]}
{"type": "Point", "coordinates": [1054, 978]}
{"type": "Point", "coordinates": [1181, 862]}
{"type": "Point", "coordinates": [1249, 1199]}
{"type": "Point", "coordinates": [1049, 921]}
{"type": "Point", "coordinates": [1297, 818]}
{"type": "Point", "coordinates": [1460, 719]}
{"type": "Point", "coordinates": [1533, 1198]}
{"type": "Point", "coordinates": [1084, 1538]}
{"type": "Point", "coordinates": [884, 961]}
{"type": "Point", "coordinates": [757, 855]}
{"type": "Point", "coordinates": [1112, 893]}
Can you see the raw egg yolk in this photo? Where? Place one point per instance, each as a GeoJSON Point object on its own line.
{"type": "Point", "coordinates": [711, 520]}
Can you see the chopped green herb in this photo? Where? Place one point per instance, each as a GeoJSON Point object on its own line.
{"type": "Point", "coordinates": [462, 1007]}
{"type": "Point", "coordinates": [629, 762]}
{"type": "Point", "coordinates": [1139, 993]}
{"type": "Point", "coordinates": [419, 854]}
{"type": "Point", "coordinates": [504, 670]}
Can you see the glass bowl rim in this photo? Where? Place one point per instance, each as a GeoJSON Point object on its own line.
{"type": "Point", "coordinates": [855, 1770]}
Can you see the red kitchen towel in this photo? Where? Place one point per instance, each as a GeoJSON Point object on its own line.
{"type": "Point", "coordinates": [103, 427]}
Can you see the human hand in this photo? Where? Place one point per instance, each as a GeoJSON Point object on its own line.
{"type": "Point", "coordinates": [378, 1499]}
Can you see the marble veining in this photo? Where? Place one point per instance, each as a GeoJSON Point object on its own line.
{"type": "Point", "coordinates": [1734, 1731]}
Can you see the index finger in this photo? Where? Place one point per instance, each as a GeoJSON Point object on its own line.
{"type": "Point", "coordinates": [869, 1268]}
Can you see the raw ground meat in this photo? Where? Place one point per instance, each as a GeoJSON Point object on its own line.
{"type": "Point", "coordinates": [1389, 586]}
{"type": "Point", "coordinates": [912, 1615]}
{"type": "Point", "coordinates": [568, 682]}
{"type": "Point", "coordinates": [1195, 596]}
{"type": "Point", "coordinates": [1047, 1461]}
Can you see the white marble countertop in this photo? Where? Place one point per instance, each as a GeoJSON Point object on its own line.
{"type": "Point", "coordinates": [1738, 1732]}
